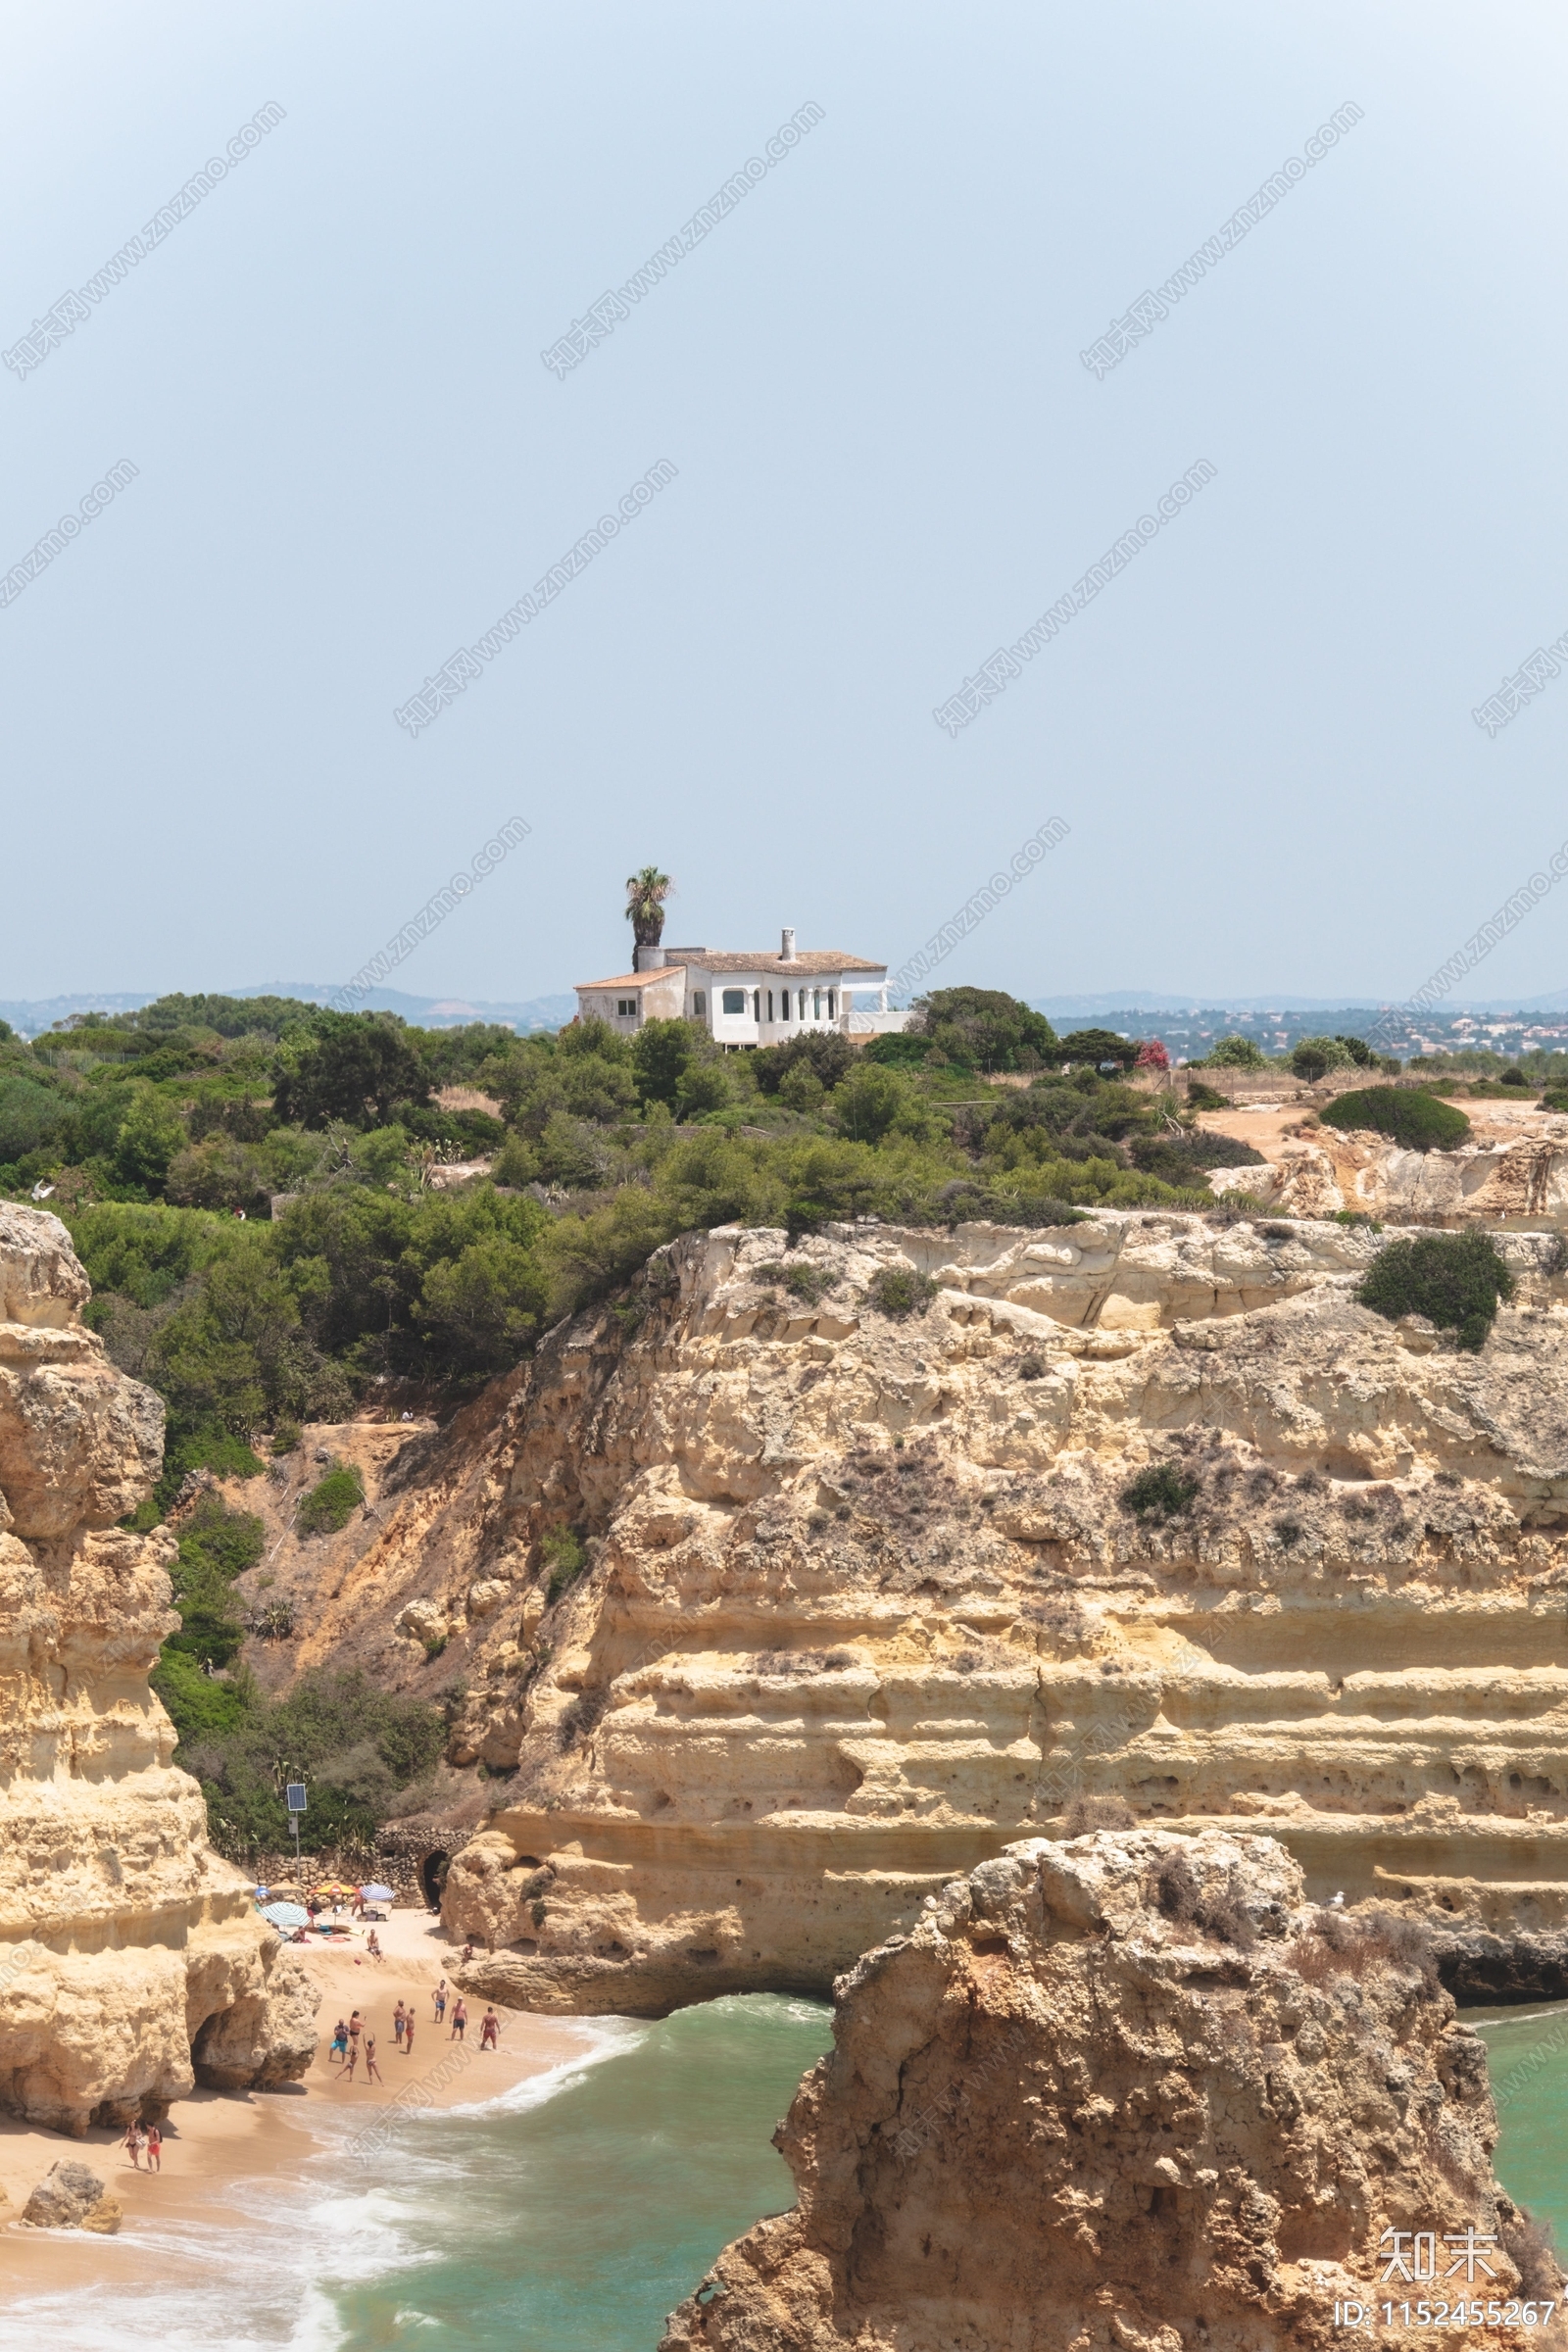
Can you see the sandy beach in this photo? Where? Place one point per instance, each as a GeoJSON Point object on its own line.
{"type": "Point", "coordinates": [216, 2138]}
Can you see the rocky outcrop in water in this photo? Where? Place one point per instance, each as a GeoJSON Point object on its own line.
{"type": "Point", "coordinates": [131, 1961]}
{"type": "Point", "coordinates": [1128, 2094]}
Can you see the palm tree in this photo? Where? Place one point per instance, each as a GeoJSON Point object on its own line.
{"type": "Point", "coordinates": [646, 891]}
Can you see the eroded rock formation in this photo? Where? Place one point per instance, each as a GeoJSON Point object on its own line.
{"type": "Point", "coordinates": [130, 1953]}
{"type": "Point", "coordinates": [1522, 1172]}
{"type": "Point", "coordinates": [1127, 2095]}
{"type": "Point", "coordinates": [865, 1599]}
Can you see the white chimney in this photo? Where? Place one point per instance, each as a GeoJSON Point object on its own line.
{"type": "Point", "coordinates": [787, 949]}
{"type": "Point", "coordinates": [648, 959]}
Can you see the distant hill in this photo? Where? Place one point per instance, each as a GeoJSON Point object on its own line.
{"type": "Point", "coordinates": [30, 1016]}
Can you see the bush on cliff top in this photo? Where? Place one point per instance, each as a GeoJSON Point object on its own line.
{"type": "Point", "coordinates": [1406, 1115]}
{"type": "Point", "coordinates": [1455, 1280]}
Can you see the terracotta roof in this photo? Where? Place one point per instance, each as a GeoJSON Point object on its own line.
{"type": "Point", "coordinates": [807, 966]}
{"type": "Point", "coordinates": [633, 979]}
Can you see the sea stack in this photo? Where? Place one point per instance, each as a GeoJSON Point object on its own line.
{"type": "Point", "coordinates": [1128, 2093]}
{"type": "Point", "coordinates": [133, 1963]}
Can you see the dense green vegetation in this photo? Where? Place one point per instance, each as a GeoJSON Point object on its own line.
{"type": "Point", "coordinates": [1455, 1280]}
{"type": "Point", "coordinates": [357, 1749]}
{"type": "Point", "coordinates": [1407, 1115]}
{"type": "Point", "coordinates": [247, 1183]}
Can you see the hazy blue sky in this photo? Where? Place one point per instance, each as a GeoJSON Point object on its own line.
{"type": "Point", "coordinates": [890, 456]}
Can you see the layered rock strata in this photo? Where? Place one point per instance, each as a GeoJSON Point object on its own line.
{"type": "Point", "coordinates": [865, 1599]}
{"type": "Point", "coordinates": [1128, 2094]}
{"type": "Point", "coordinates": [1520, 1175]}
{"type": "Point", "coordinates": [131, 1961]}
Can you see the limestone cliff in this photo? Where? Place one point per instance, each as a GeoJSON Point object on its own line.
{"type": "Point", "coordinates": [865, 1599]}
{"type": "Point", "coordinates": [1123, 2095]}
{"type": "Point", "coordinates": [131, 1962]}
{"type": "Point", "coordinates": [1515, 1167]}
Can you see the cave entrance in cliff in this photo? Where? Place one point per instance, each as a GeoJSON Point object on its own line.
{"type": "Point", "coordinates": [433, 1877]}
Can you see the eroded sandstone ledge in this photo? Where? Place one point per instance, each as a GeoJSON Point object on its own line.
{"type": "Point", "coordinates": [863, 1602]}
{"type": "Point", "coordinates": [1128, 2094]}
{"type": "Point", "coordinates": [131, 1961]}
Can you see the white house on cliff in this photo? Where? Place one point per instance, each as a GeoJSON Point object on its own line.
{"type": "Point", "coordinates": [745, 999]}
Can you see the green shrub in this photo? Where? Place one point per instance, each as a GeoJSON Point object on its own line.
{"type": "Point", "coordinates": [332, 1503]}
{"type": "Point", "coordinates": [565, 1559]}
{"type": "Point", "coordinates": [215, 1449]}
{"type": "Point", "coordinates": [1455, 1280]}
{"type": "Point", "coordinates": [900, 1290]}
{"type": "Point", "coordinates": [982, 1029]}
{"type": "Point", "coordinates": [354, 1745]}
{"type": "Point", "coordinates": [1236, 1053]}
{"type": "Point", "coordinates": [804, 1282]}
{"type": "Point", "coordinates": [1183, 1159]}
{"type": "Point", "coordinates": [1406, 1115]}
{"type": "Point", "coordinates": [898, 1051]}
{"type": "Point", "coordinates": [286, 1437]}
{"type": "Point", "coordinates": [1205, 1098]}
{"type": "Point", "coordinates": [216, 1546]}
{"type": "Point", "coordinates": [1314, 1057]}
{"type": "Point", "coordinates": [1160, 1492]}
{"type": "Point", "coordinates": [1091, 1047]}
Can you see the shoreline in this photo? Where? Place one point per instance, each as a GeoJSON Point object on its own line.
{"type": "Point", "coordinates": [215, 2141]}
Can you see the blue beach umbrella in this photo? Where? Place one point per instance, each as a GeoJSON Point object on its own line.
{"type": "Point", "coordinates": [286, 1915]}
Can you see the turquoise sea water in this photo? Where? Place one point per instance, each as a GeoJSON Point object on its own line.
{"type": "Point", "coordinates": [577, 2227]}
{"type": "Point", "coordinates": [569, 2216]}
{"type": "Point", "coordinates": [573, 2214]}
{"type": "Point", "coordinates": [1527, 2051]}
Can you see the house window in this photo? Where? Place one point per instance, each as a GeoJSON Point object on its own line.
{"type": "Point", "coordinates": [832, 1004]}
{"type": "Point", "coordinates": [784, 1004]}
{"type": "Point", "coordinates": [757, 1004]}
{"type": "Point", "coordinates": [735, 1000]}
{"type": "Point", "coordinates": [626, 1008]}
{"type": "Point", "coordinates": [803, 1004]}
{"type": "Point", "coordinates": [770, 1004]}
{"type": "Point", "coordinates": [700, 1003]}
{"type": "Point", "coordinates": [816, 1003]}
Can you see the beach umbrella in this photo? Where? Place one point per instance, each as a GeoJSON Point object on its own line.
{"type": "Point", "coordinates": [376, 1895]}
{"type": "Point", "coordinates": [286, 1915]}
{"type": "Point", "coordinates": [331, 1889]}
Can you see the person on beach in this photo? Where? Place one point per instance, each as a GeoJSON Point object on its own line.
{"type": "Point", "coordinates": [441, 2000]}
{"type": "Point", "coordinates": [489, 2028]}
{"type": "Point", "coordinates": [460, 2019]}
{"type": "Point", "coordinates": [347, 2075]}
{"type": "Point", "coordinates": [134, 2142]}
{"type": "Point", "coordinates": [372, 2073]}
{"type": "Point", "coordinates": [468, 1949]}
{"type": "Point", "coordinates": [408, 2031]}
{"type": "Point", "coordinates": [340, 2042]}
{"type": "Point", "coordinates": [373, 1945]}
{"type": "Point", "coordinates": [399, 2021]}
{"type": "Point", "coordinates": [154, 2149]}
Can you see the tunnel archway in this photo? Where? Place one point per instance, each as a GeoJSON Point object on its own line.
{"type": "Point", "coordinates": [433, 1877]}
